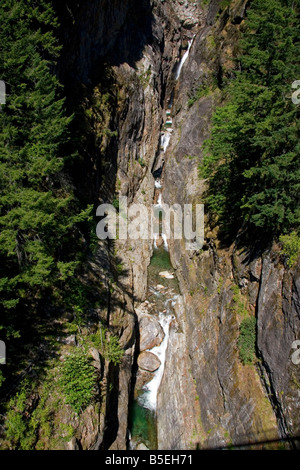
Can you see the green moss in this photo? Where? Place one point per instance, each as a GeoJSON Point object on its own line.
{"type": "Point", "coordinates": [239, 304]}
{"type": "Point", "coordinates": [145, 78]}
{"type": "Point", "coordinates": [203, 90]}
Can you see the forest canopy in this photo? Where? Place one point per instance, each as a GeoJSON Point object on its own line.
{"type": "Point", "coordinates": [252, 159]}
{"type": "Point", "coordinates": [40, 241]}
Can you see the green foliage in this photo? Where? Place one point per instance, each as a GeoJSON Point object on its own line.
{"type": "Point", "coordinates": [33, 416]}
{"type": "Point", "coordinates": [225, 3]}
{"type": "Point", "coordinates": [247, 339]}
{"type": "Point", "coordinates": [39, 240]}
{"type": "Point", "coordinates": [19, 430]}
{"type": "Point", "coordinates": [252, 158]}
{"type": "Point", "coordinates": [203, 90]}
{"type": "Point", "coordinates": [240, 306]}
{"type": "Point", "coordinates": [78, 380]}
{"type": "Point", "coordinates": [291, 247]}
{"type": "Point", "coordinates": [116, 203]}
{"type": "Point", "coordinates": [108, 345]}
{"type": "Point", "coordinates": [141, 162]}
{"type": "Point", "coordinates": [114, 350]}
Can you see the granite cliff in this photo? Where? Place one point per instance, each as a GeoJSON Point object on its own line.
{"type": "Point", "coordinates": [119, 65]}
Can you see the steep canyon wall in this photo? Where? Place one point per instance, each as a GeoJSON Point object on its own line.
{"type": "Point", "coordinates": [129, 52]}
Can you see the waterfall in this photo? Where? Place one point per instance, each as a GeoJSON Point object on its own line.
{"type": "Point", "coordinates": [185, 56]}
{"type": "Point", "coordinates": [149, 398]}
{"type": "Point", "coordinates": [159, 201]}
{"type": "Point", "coordinates": [165, 139]}
{"type": "Point", "coordinates": [157, 184]}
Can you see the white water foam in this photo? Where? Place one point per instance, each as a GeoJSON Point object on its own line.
{"type": "Point", "coordinates": [157, 184]}
{"type": "Point", "coordinates": [165, 140]}
{"type": "Point", "coordinates": [185, 56]}
{"type": "Point", "coordinates": [159, 201]}
{"type": "Point", "coordinates": [164, 237]}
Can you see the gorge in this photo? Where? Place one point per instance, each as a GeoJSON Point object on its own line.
{"type": "Point", "coordinates": [143, 79]}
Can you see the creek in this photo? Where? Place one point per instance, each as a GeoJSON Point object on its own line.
{"type": "Point", "coordinates": [162, 295]}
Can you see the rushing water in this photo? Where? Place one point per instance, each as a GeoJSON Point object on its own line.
{"type": "Point", "coordinates": [184, 57]}
{"type": "Point", "coordinates": [149, 398]}
{"type": "Point", "coordinates": [165, 140]}
{"type": "Point", "coordinates": [142, 413]}
{"type": "Point", "coordinates": [162, 293]}
{"type": "Point", "coordinates": [165, 240]}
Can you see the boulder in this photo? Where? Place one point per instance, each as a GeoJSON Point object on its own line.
{"type": "Point", "coordinates": [148, 361]}
{"type": "Point", "coordinates": [142, 378]}
{"type": "Point", "coordinates": [151, 332]}
{"type": "Point", "coordinates": [166, 275]}
{"type": "Point", "coordinates": [141, 446]}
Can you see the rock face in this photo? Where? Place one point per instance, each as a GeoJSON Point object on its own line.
{"type": "Point", "coordinates": [278, 324]}
{"type": "Point", "coordinates": [176, 411]}
{"type": "Point", "coordinates": [229, 403]}
{"type": "Point", "coordinates": [151, 333]}
{"type": "Point", "coordinates": [148, 361]}
{"type": "Point", "coordinates": [130, 51]}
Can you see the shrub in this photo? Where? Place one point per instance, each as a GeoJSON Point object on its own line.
{"type": "Point", "coordinates": [246, 340]}
{"type": "Point", "coordinates": [290, 247]}
{"type": "Point", "coordinates": [109, 347]}
{"type": "Point", "coordinates": [114, 350]}
{"type": "Point", "coordinates": [78, 380]}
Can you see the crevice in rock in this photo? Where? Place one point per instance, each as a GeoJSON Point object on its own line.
{"type": "Point", "coordinates": [265, 375]}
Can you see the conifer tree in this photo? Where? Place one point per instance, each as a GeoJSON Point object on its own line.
{"type": "Point", "coordinates": [39, 236]}
{"type": "Point", "coordinates": [252, 159]}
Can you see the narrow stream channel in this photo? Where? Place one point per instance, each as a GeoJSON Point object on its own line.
{"type": "Point", "coordinates": [162, 294]}
{"type": "Point", "coordinates": [163, 291]}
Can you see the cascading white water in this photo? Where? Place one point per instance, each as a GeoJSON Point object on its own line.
{"type": "Point", "coordinates": [185, 56]}
{"type": "Point", "coordinates": [159, 201]}
{"type": "Point", "coordinates": [158, 293]}
{"type": "Point", "coordinates": [149, 398]}
{"type": "Point", "coordinates": [164, 237]}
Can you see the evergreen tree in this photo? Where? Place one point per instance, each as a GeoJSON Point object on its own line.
{"type": "Point", "coordinates": [252, 159]}
{"type": "Point", "coordinates": [39, 236]}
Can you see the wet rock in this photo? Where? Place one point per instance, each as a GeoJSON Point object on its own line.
{"type": "Point", "coordinates": [142, 446]}
{"type": "Point", "coordinates": [159, 287]}
{"type": "Point", "coordinates": [148, 361]}
{"type": "Point", "coordinates": [166, 275]}
{"type": "Point", "coordinates": [142, 378]}
{"type": "Point", "coordinates": [151, 332]}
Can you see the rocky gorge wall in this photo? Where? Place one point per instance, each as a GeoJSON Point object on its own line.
{"type": "Point", "coordinates": [130, 50]}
